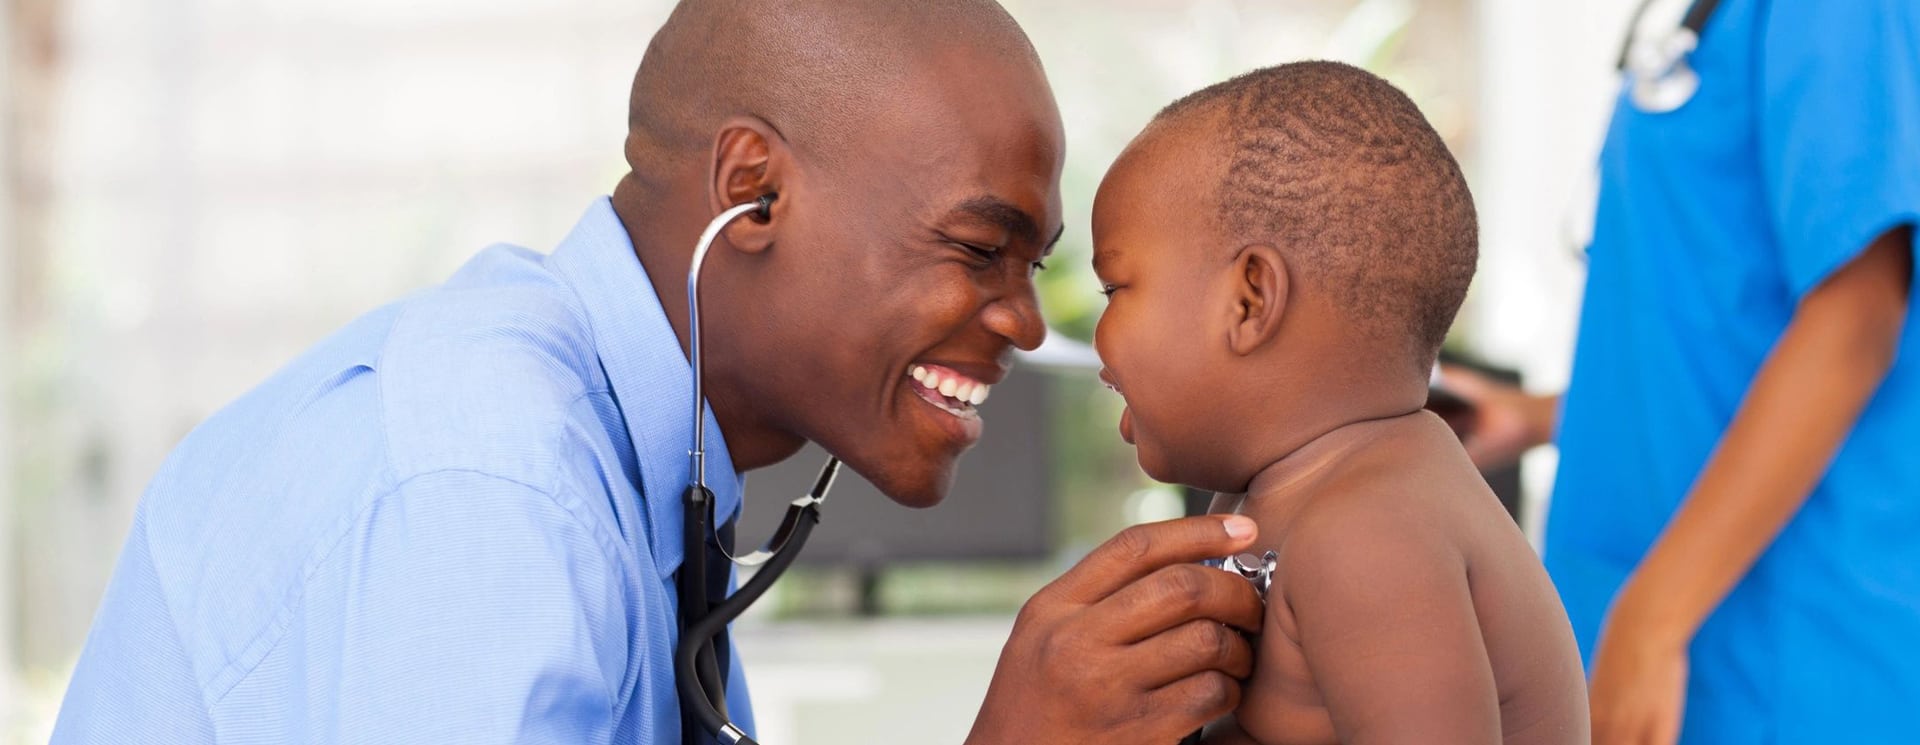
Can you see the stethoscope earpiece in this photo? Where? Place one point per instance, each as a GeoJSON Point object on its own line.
{"type": "Point", "coordinates": [764, 211]}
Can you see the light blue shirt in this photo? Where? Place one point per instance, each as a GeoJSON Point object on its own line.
{"type": "Point", "coordinates": [455, 521]}
{"type": "Point", "coordinates": [1715, 221]}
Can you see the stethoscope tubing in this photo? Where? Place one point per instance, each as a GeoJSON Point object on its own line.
{"type": "Point", "coordinates": [698, 679]}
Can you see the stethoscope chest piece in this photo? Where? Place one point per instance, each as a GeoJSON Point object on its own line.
{"type": "Point", "coordinates": [1257, 570]}
{"type": "Point", "coordinates": [1659, 76]}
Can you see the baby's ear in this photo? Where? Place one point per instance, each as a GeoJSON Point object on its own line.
{"type": "Point", "coordinates": [1260, 291]}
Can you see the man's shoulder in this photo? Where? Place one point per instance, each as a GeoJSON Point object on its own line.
{"type": "Point", "coordinates": [478, 386]}
{"type": "Point", "coordinates": [488, 371]}
{"type": "Point", "coordinates": [488, 374]}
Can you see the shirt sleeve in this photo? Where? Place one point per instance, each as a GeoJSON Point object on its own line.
{"type": "Point", "coordinates": [464, 608]}
{"type": "Point", "coordinates": [1839, 128]}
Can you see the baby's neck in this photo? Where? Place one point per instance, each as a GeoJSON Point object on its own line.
{"type": "Point", "coordinates": [1294, 470]}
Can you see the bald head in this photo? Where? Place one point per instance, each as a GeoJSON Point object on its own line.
{"type": "Point", "coordinates": [915, 148]}
{"type": "Point", "coordinates": [812, 69]}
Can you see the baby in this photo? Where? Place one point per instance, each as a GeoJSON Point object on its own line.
{"type": "Point", "coordinates": [1283, 254]}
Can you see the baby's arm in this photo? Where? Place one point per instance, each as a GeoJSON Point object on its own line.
{"type": "Point", "coordinates": [1386, 622]}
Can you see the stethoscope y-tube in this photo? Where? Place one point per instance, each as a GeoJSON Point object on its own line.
{"type": "Point", "coordinates": [697, 674]}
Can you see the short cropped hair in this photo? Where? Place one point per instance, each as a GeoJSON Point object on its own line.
{"type": "Point", "coordinates": [1339, 170]}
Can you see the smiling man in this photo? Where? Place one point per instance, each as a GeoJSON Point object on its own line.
{"type": "Point", "coordinates": [458, 519]}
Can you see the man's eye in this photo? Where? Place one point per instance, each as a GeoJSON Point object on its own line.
{"type": "Point", "coordinates": [1108, 289]}
{"type": "Point", "coordinates": [986, 254]}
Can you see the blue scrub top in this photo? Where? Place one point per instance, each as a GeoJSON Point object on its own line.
{"type": "Point", "coordinates": [1801, 147]}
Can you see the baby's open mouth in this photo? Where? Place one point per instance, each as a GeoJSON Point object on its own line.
{"type": "Point", "coordinates": [949, 390]}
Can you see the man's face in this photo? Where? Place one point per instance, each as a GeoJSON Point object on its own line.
{"type": "Point", "coordinates": [1159, 338]}
{"type": "Point", "coordinates": [907, 273]}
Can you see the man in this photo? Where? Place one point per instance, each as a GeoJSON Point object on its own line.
{"type": "Point", "coordinates": [458, 519]}
{"type": "Point", "coordinates": [1737, 489]}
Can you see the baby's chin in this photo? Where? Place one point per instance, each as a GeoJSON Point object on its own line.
{"type": "Point", "coordinates": [1166, 468]}
{"type": "Point", "coordinates": [1155, 462]}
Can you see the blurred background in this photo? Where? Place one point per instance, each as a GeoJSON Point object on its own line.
{"type": "Point", "coordinates": [192, 191]}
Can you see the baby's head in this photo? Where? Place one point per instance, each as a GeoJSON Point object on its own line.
{"type": "Point", "coordinates": [1284, 253]}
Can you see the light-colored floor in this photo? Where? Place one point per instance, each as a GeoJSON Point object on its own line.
{"type": "Point", "coordinates": [892, 680]}
{"type": "Point", "coordinates": [813, 682]}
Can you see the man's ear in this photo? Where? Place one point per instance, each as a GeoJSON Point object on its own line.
{"type": "Point", "coordinates": [750, 160]}
{"type": "Point", "coordinates": [1260, 291]}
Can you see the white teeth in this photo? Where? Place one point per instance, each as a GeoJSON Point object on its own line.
{"type": "Point", "coordinates": [968, 393]}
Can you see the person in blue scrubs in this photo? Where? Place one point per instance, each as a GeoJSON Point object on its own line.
{"type": "Point", "coordinates": [458, 519]}
{"type": "Point", "coordinates": [1733, 526]}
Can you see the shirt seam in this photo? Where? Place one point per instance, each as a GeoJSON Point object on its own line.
{"type": "Point", "coordinates": [275, 631]}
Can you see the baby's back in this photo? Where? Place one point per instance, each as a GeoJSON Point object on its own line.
{"type": "Point", "coordinates": [1406, 606]}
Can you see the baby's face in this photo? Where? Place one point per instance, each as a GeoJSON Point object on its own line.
{"type": "Point", "coordinates": [1152, 231]}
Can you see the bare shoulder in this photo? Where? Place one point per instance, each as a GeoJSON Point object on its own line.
{"type": "Point", "coordinates": [1400, 575]}
{"type": "Point", "coordinates": [1403, 479]}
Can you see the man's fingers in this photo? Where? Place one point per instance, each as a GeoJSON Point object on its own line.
{"type": "Point", "coordinates": [1143, 549]}
{"type": "Point", "coordinates": [1176, 595]}
{"type": "Point", "coordinates": [1190, 703]}
{"type": "Point", "coordinates": [1189, 649]}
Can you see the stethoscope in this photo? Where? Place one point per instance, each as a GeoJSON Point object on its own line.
{"type": "Point", "coordinates": [697, 673]}
{"type": "Point", "coordinates": [1256, 569]}
{"type": "Point", "coordinates": [1659, 77]}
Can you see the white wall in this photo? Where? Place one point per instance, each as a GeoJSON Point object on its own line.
{"type": "Point", "coordinates": [8, 598]}
{"type": "Point", "coordinates": [1547, 84]}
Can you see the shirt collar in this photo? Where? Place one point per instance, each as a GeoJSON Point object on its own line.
{"type": "Point", "coordinates": [651, 379]}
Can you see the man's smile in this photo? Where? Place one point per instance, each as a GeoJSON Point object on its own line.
{"type": "Point", "coordinates": [955, 394]}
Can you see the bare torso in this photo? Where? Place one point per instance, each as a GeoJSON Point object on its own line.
{"type": "Point", "coordinates": [1411, 465]}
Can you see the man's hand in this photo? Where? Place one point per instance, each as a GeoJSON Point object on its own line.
{"type": "Point", "coordinates": [1639, 687]}
{"type": "Point", "coordinates": [1508, 421]}
{"type": "Point", "coordinates": [1136, 644]}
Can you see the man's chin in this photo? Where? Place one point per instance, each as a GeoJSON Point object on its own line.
{"type": "Point", "coordinates": [918, 488]}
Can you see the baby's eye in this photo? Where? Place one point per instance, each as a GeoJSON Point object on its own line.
{"type": "Point", "coordinates": [1108, 288]}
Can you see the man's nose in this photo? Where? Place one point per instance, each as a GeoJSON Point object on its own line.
{"type": "Point", "coordinates": [1016, 318]}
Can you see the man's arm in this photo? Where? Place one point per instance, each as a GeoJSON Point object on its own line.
{"type": "Point", "coordinates": [1388, 628]}
{"type": "Point", "coordinates": [1835, 353]}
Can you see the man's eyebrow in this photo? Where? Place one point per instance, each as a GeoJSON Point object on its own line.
{"type": "Point", "coordinates": [1003, 214]}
